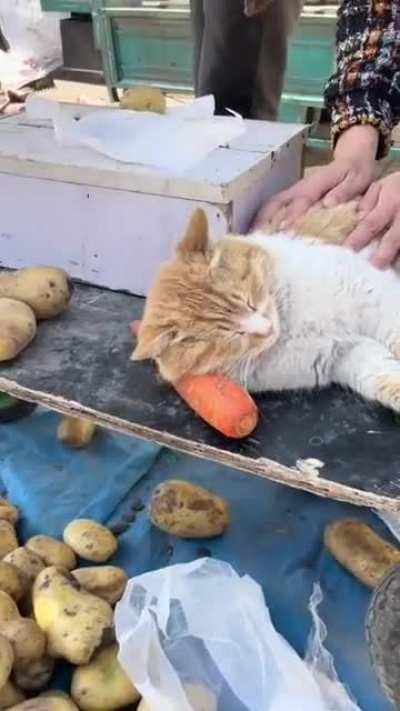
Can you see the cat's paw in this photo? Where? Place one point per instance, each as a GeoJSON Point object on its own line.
{"type": "Point", "coordinates": [388, 390]}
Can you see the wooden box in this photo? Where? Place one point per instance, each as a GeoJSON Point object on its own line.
{"type": "Point", "coordinates": [111, 224]}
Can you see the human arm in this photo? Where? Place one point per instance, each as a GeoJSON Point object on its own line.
{"type": "Point", "coordinates": [368, 56]}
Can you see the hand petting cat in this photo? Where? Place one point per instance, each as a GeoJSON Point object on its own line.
{"type": "Point", "coordinates": [350, 175]}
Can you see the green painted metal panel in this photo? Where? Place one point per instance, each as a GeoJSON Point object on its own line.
{"type": "Point", "coordinates": [84, 6]}
{"type": "Point", "coordinates": [311, 57]}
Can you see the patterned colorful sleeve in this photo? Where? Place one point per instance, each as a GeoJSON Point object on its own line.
{"type": "Point", "coordinates": [366, 86]}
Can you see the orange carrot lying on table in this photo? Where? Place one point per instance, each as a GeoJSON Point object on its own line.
{"type": "Point", "coordinates": [219, 401]}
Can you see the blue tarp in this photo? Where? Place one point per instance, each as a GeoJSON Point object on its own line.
{"type": "Point", "coordinates": [276, 534]}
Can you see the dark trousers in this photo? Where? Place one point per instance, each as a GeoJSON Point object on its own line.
{"type": "Point", "coordinates": [242, 60]}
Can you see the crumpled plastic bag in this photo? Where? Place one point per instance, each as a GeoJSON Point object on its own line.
{"type": "Point", "coordinates": [34, 40]}
{"type": "Point", "coordinates": [172, 142]}
{"type": "Point", "coordinates": [198, 637]}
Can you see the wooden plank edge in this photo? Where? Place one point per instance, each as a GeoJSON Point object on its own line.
{"type": "Point", "coordinates": [262, 467]}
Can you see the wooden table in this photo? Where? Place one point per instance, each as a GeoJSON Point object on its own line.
{"type": "Point", "coordinates": [79, 365]}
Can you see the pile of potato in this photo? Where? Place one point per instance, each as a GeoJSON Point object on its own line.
{"type": "Point", "coordinates": [52, 610]}
{"type": "Point", "coordinates": [26, 297]}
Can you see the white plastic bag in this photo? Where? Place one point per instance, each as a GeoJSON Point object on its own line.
{"type": "Point", "coordinates": [320, 662]}
{"type": "Point", "coordinates": [173, 142]}
{"type": "Point", "coordinates": [202, 627]}
{"type": "Point", "coordinates": [34, 39]}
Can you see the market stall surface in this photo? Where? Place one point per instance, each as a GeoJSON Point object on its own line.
{"type": "Point", "coordinates": [79, 364]}
{"type": "Point", "coordinates": [276, 535]}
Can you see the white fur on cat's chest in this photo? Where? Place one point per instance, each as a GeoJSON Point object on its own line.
{"type": "Point", "coordinates": [328, 297]}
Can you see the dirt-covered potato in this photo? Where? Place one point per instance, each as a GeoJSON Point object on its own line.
{"type": "Point", "coordinates": [8, 608]}
{"type": "Point", "coordinates": [103, 685]}
{"type": "Point", "coordinates": [64, 702]}
{"type": "Point", "coordinates": [105, 581]}
{"type": "Point", "coordinates": [28, 563]}
{"type": "Point", "coordinates": [52, 551]}
{"type": "Point", "coordinates": [90, 540]}
{"type": "Point", "coordinates": [361, 551]}
{"type": "Point", "coordinates": [6, 659]}
{"type": "Point", "coordinates": [200, 698]}
{"type": "Point", "coordinates": [75, 621]}
{"type": "Point", "coordinates": [17, 327]}
{"type": "Point", "coordinates": [27, 640]}
{"type": "Point", "coordinates": [36, 675]}
{"type": "Point", "coordinates": [75, 432]}
{"type": "Point", "coordinates": [8, 512]}
{"type": "Point", "coordinates": [46, 290]}
{"type": "Point", "coordinates": [188, 511]}
{"type": "Point", "coordinates": [8, 537]}
{"type": "Point", "coordinates": [144, 98]}
{"type": "Point", "coordinates": [10, 696]}
{"type": "Point", "coordinates": [51, 701]}
{"type": "Point", "coordinates": [12, 581]}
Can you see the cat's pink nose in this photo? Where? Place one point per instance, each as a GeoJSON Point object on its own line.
{"type": "Point", "coordinates": [257, 324]}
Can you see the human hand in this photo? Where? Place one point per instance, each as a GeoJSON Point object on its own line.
{"type": "Point", "coordinates": [347, 177]}
{"type": "Point", "coordinates": [379, 211]}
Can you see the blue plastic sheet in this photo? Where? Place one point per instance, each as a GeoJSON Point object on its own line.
{"type": "Point", "coordinates": [276, 534]}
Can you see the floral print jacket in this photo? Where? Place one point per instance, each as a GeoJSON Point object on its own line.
{"type": "Point", "coordinates": [366, 85]}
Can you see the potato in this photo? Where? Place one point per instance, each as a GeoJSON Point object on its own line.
{"type": "Point", "coordinates": [17, 327]}
{"type": "Point", "coordinates": [361, 551]}
{"type": "Point", "coordinates": [51, 701]}
{"type": "Point", "coordinates": [28, 563]}
{"type": "Point", "coordinates": [144, 98]}
{"type": "Point", "coordinates": [64, 702]}
{"type": "Point", "coordinates": [188, 511]}
{"type": "Point", "coordinates": [200, 698]}
{"type": "Point", "coordinates": [36, 675]}
{"type": "Point", "coordinates": [10, 695]}
{"type": "Point", "coordinates": [90, 540]}
{"type": "Point", "coordinates": [106, 581]}
{"type": "Point", "coordinates": [12, 581]}
{"type": "Point", "coordinates": [75, 432]}
{"type": "Point", "coordinates": [8, 608]}
{"type": "Point", "coordinates": [75, 621]}
{"type": "Point", "coordinates": [6, 660]}
{"type": "Point", "coordinates": [45, 289]}
{"type": "Point", "coordinates": [52, 551]}
{"type": "Point", "coordinates": [8, 512]}
{"type": "Point", "coordinates": [103, 685]}
{"type": "Point", "coordinates": [27, 640]}
{"type": "Point", "coordinates": [8, 537]}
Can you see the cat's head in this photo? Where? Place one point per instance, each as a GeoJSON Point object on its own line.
{"type": "Point", "coordinates": [211, 309]}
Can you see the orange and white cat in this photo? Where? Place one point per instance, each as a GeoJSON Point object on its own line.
{"type": "Point", "coordinates": [277, 311]}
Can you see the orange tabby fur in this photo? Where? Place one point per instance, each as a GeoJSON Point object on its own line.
{"type": "Point", "coordinates": [190, 319]}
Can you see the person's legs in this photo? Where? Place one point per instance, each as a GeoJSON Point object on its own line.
{"type": "Point", "coordinates": [279, 20]}
{"type": "Point", "coordinates": [227, 46]}
{"type": "Point", "coordinates": [197, 16]}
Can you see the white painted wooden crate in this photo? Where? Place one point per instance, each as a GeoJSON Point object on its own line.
{"type": "Point", "coordinates": [112, 224]}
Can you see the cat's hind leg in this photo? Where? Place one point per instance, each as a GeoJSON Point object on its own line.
{"type": "Point", "coordinates": [369, 368]}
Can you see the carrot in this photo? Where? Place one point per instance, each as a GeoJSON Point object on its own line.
{"type": "Point", "coordinates": [220, 402]}
{"type": "Point", "coordinates": [217, 400]}
{"type": "Point", "coordinates": [135, 327]}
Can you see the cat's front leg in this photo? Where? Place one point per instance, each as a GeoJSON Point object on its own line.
{"type": "Point", "coordinates": [370, 369]}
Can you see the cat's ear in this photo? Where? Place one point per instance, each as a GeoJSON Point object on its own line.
{"type": "Point", "coordinates": [196, 239]}
{"type": "Point", "coordinates": [151, 343]}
